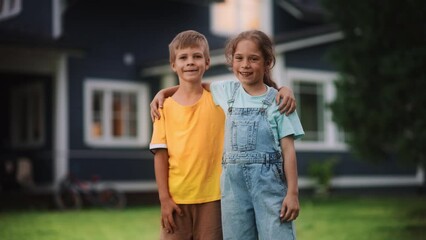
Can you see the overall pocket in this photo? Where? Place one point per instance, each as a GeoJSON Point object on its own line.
{"type": "Point", "coordinates": [244, 134]}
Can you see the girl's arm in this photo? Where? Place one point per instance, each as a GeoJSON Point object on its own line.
{"type": "Point", "coordinates": [290, 206]}
{"type": "Point", "coordinates": [158, 101]}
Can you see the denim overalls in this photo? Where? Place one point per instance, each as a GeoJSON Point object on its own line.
{"type": "Point", "coordinates": [252, 176]}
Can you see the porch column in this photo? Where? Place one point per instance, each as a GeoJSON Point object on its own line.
{"type": "Point", "coordinates": [60, 121]}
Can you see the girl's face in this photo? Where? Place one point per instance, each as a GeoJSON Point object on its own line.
{"type": "Point", "coordinates": [248, 63]}
{"type": "Point", "coordinates": [190, 64]}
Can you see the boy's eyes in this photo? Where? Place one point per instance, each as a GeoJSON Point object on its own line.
{"type": "Point", "coordinates": [183, 57]}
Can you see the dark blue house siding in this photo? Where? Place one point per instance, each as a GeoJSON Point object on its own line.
{"type": "Point", "coordinates": [310, 58]}
{"type": "Point", "coordinates": [111, 29]}
{"type": "Point", "coordinates": [349, 164]}
{"type": "Point", "coordinates": [113, 165]}
{"type": "Point", "coordinates": [34, 22]}
{"type": "Point", "coordinates": [284, 23]}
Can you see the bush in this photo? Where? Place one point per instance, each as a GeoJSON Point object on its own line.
{"type": "Point", "coordinates": [322, 172]}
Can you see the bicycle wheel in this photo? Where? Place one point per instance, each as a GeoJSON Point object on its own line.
{"type": "Point", "coordinates": [66, 197]}
{"type": "Point", "coordinates": [111, 198]}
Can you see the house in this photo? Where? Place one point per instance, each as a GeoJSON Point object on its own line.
{"type": "Point", "coordinates": [77, 78]}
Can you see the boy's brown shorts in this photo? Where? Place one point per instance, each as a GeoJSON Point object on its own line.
{"type": "Point", "coordinates": [199, 222]}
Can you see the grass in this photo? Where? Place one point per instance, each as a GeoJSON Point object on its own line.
{"type": "Point", "coordinates": [384, 218]}
{"type": "Point", "coordinates": [335, 218]}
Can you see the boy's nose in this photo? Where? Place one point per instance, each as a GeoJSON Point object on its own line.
{"type": "Point", "coordinates": [190, 61]}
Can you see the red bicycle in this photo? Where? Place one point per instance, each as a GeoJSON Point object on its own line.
{"type": "Point", "coordinates": [72, 193]}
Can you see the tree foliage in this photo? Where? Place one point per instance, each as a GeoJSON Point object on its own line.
{"type": "Point", "coordinates": [381, 100]}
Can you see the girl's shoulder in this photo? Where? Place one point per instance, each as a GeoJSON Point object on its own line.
{"type": "Point", "coordinates": [225, 83]}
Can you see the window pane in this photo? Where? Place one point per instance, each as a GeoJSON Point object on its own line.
{"type": "Point", "coordinates": [124, 114]}
{"type": "Point", "coordinates": [117, 114]}
{"type": "Point", "coordinates": [133, 127]}
{"type": "Point", "coordinates": [97, 110]}
{"type": "Point", "coordinates": [310, 97]}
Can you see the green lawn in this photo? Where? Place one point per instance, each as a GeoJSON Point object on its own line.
{"type": "Point", "coordinates": [336, 218]}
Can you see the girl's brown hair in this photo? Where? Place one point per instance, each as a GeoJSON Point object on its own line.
{"type": "Point", "coordinates": [265, 45]}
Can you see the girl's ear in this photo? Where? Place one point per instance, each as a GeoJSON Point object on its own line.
{"type": "Point", "coordinates": [267, 65]}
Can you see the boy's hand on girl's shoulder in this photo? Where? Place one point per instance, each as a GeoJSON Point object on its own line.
{"type": "Point", "coordinates": [290, 208]}
{"type": "Point", "coordinates": [168, 208]}
{"type": "Point", "coordinates": [285, 100]}
{"type": "Point", "coordinates": [155, 105]}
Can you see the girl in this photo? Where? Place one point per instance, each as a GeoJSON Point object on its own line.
{"type": "Point", "coordinates": [259, 169]}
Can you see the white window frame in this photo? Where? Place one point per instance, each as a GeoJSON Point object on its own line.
{"type": "Point", "coordinates": [229, 18]}
{"type": "Point", "coordinates": [8, 10]}
{"type": "Point", "coordinates": [18, 95]}
{"type": "Point", "coordinates": [108, 87]}
{"type": "Point", "coordinates": [332, 141]}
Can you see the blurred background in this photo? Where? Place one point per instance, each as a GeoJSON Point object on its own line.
{"type": "Point", "coordinates": [77, 78]}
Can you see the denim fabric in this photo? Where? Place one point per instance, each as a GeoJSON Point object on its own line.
{"type": "Point", "coordinates": [252, 182]}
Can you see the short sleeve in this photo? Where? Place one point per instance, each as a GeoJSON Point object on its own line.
{"type": "Point", "coordinates": [290, 125]}
{"type": "Point", "coordinates": [158, 139]}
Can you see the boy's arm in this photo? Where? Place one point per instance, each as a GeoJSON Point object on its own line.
{"type": "Point", "coordinates": [290, 206]}
{"type": "Point", "coordinates": [288, 103]}
{"type": "Point", "coordinates": [168, 206]}
{"type": "Point", "coordinates": [158, 101]}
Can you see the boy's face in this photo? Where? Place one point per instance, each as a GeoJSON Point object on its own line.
{"type": "Point", "coordinates": [190, 63]}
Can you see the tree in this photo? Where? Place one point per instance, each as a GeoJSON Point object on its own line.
{"type": "Point", "coordinates": [380, 100]}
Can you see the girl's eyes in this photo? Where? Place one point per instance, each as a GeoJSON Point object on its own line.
{"type": "Point", "coordinates": [250, 59]}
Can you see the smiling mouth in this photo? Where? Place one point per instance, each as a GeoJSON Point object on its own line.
{"type": "Point", "coordinates": [245, 74]}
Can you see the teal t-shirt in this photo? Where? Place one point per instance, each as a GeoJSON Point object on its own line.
{"type": "Point", "coordinates": [281, 124]}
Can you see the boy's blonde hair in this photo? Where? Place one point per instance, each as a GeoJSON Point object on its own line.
{"type": "Point", "coordinates": [189, 38]}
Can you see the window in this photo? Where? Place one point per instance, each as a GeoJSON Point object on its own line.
{"type": "Point", "coordinates": [116, 114]}
{"type": "Point", "coordinates": [9, 8]}
{"type": "Point", "coordinates": [311, 109]}
{"type": "Point", "coordinates": [313, 91]}
{"type": "Point", "coordinates": [233, 16]}
{"type": "Point", "coordinates": [27, 115]}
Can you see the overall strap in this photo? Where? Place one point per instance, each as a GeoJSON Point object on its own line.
{"type": "Point", "coordinates": [268, 100]}
{"type": "Point", "coordinates": [234, 93]}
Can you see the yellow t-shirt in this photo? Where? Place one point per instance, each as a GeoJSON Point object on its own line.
{"type": "Point", "coordinates": [193, 136]}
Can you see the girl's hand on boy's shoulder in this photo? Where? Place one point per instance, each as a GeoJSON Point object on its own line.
{"type": "Point", "coordinates": [285, 100]}
{"type": "Point", "coordinates": [155, 105]}
{"type": "Point", "coordinates": [290, 208]}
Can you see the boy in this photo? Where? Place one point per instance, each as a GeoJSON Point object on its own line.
{"type": "Point", "coordinates": [188, 142]}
